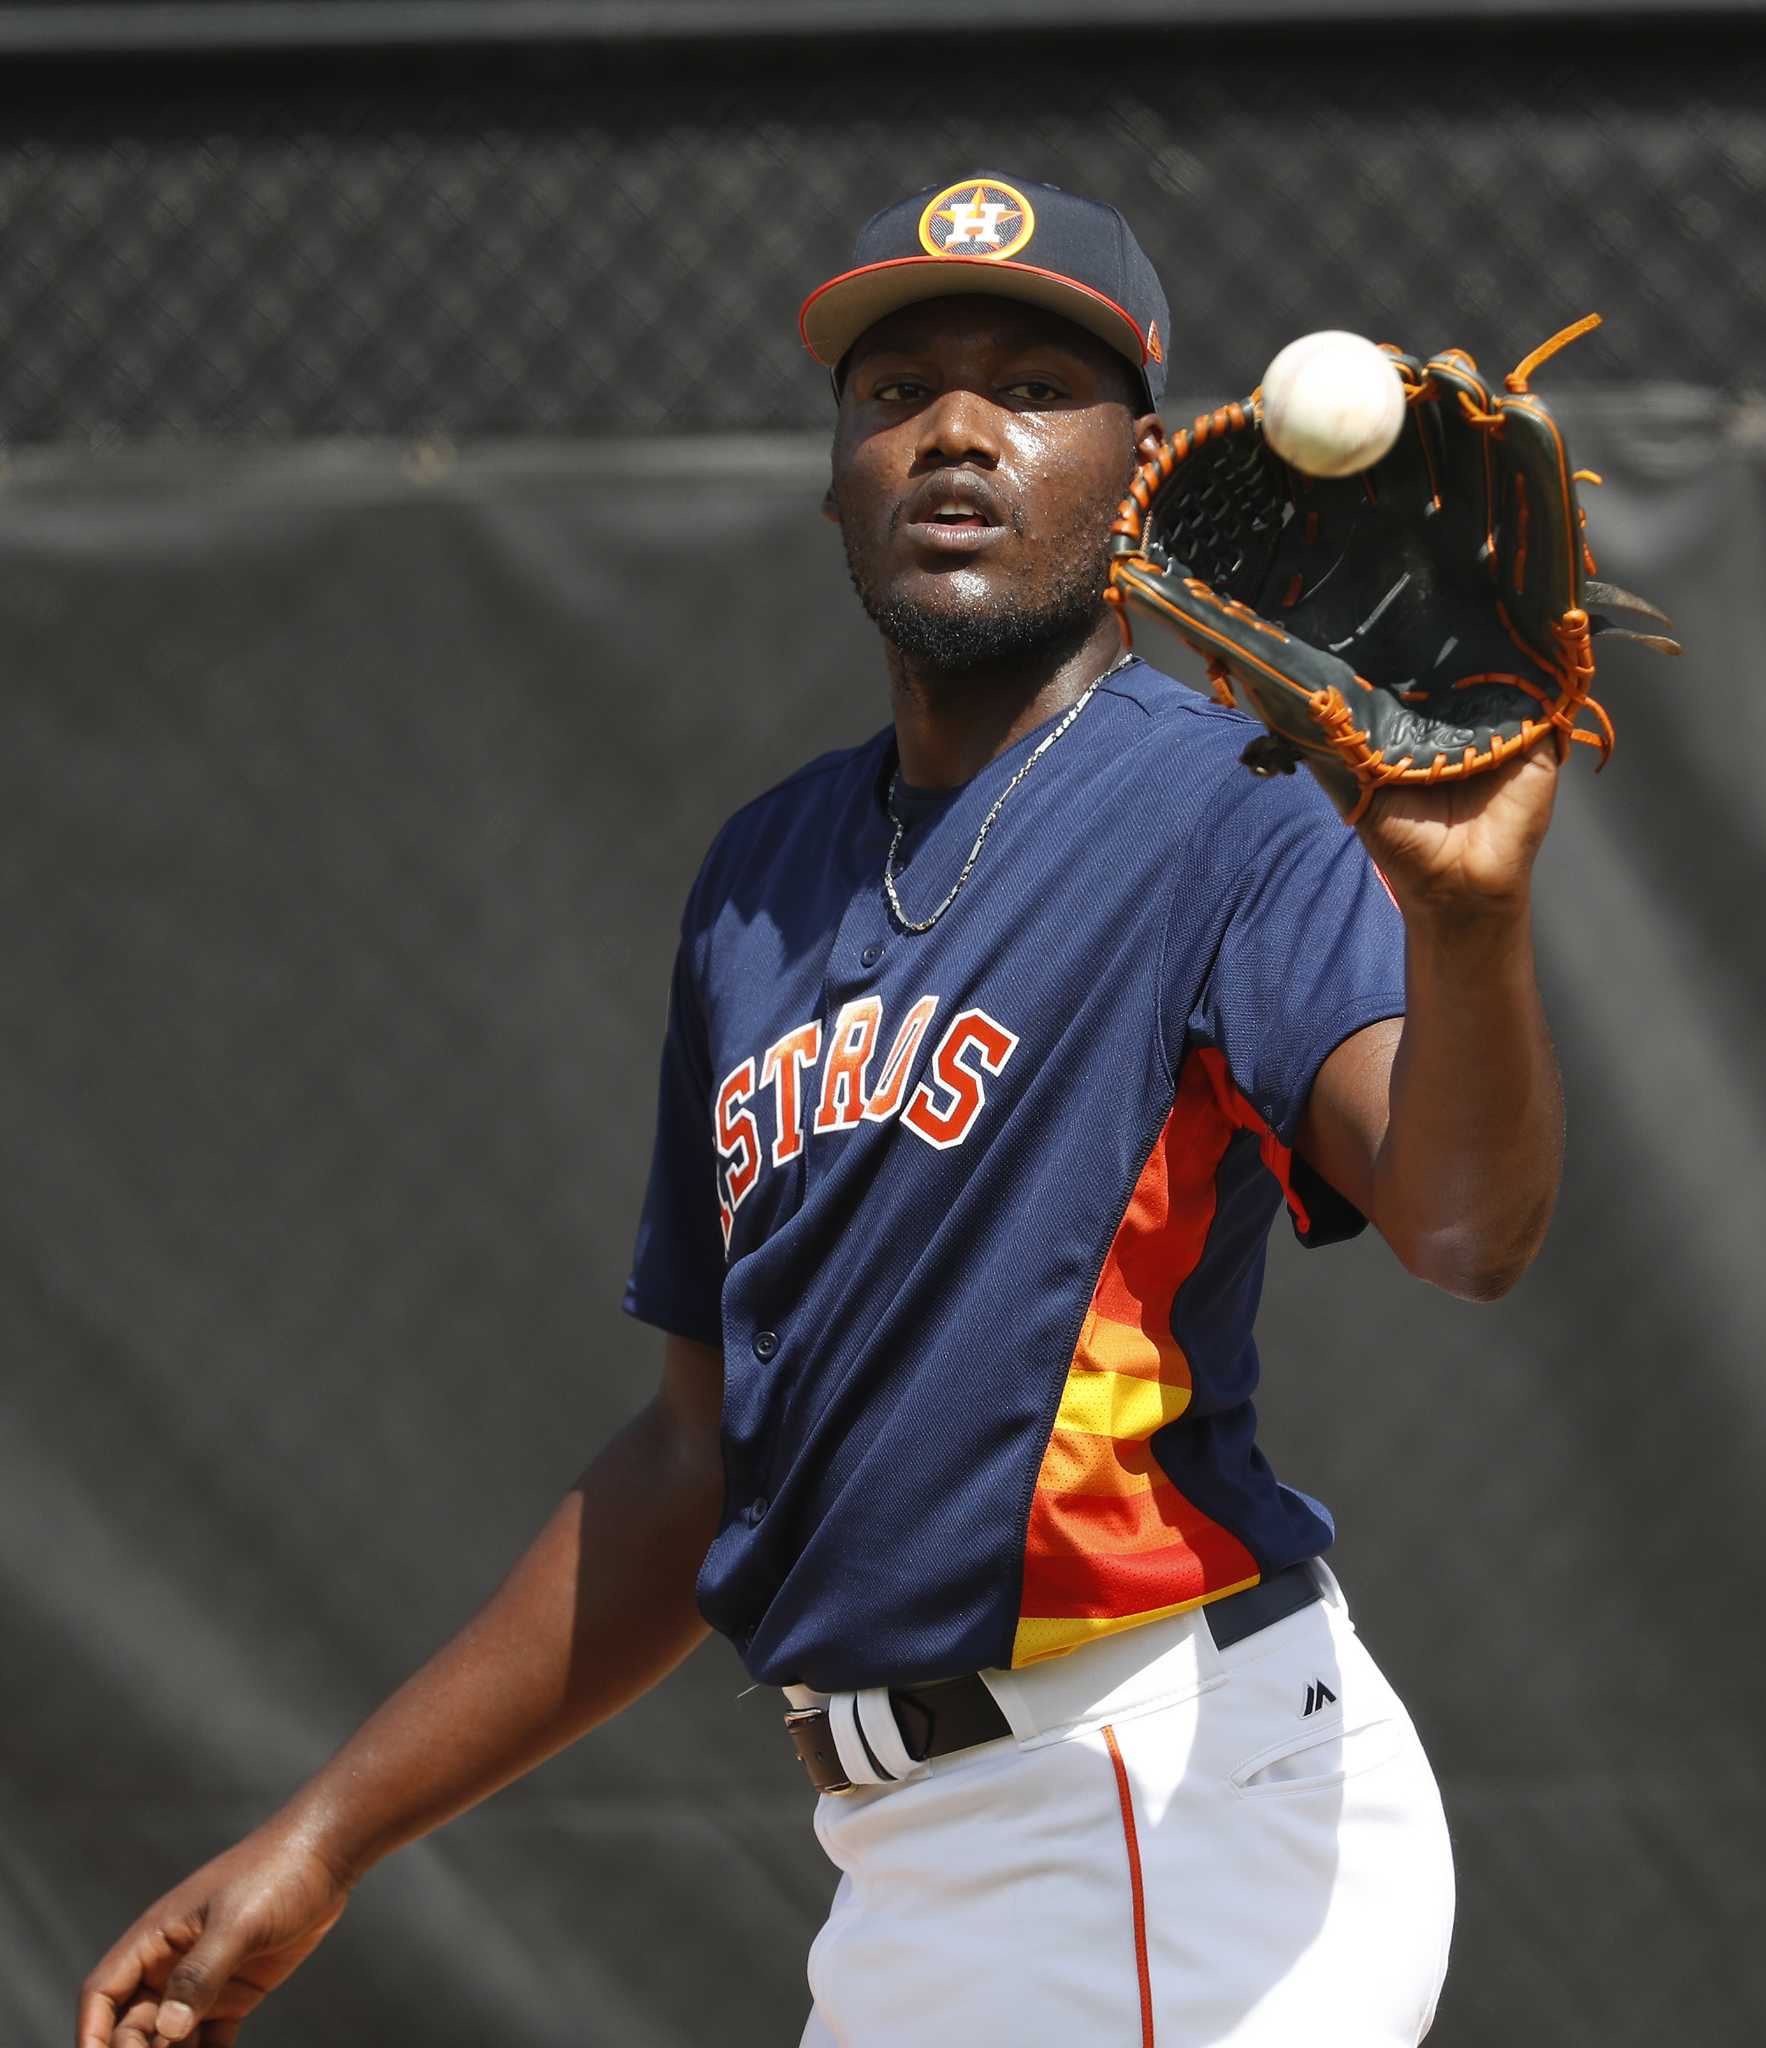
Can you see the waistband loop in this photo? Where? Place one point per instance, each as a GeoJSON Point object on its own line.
{"type": "Point", "coordinates": [869, 1738]}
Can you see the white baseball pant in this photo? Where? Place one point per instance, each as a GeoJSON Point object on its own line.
{"type": "Point", "coordinates": [1177, 1847]}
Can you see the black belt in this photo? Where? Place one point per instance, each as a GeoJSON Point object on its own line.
{"type": "Point", "coordinates": [949, 1714]}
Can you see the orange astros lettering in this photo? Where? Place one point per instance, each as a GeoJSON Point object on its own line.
{"type": "Point", "coordinates": [843, 1073]}
{"type": "Point", "coordinates": [955, 1074]}
{"type": "Point", "coordinates": [940, 1111]}
{"type": "Point", "coordinates": [886, 1096]}
{"type": "Point", "coordinates": [785, 1060]}
{"type": "Point", "coordinates": [738, 1142]}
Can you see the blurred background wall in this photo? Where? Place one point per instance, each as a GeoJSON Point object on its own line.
{"type": "Point", "coordinates": [408, 555]}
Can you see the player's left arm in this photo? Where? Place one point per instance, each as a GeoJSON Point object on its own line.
{"type": "Point", "coordinates": [1445, 1127]}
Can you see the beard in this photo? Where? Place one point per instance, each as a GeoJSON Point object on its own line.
{"type": "Point", "coordinates": [958, 627]}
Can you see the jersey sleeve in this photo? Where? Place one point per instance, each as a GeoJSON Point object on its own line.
{"type": "Point", "coordinates": [678, 1268]}
{"type": "Point", "coordinates": [1312, 951]}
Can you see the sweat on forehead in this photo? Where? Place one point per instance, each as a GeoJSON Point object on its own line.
{"type": "Point", "coordinates": [989, 323]}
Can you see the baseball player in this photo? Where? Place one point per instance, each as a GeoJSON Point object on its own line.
{"type": "Point", "coordinates": [995, 1045]}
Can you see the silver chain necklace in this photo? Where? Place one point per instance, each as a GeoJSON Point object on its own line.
{"type": "Point", "coordinates": [925, 924]}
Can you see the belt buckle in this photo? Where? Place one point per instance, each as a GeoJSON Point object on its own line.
{"type": "Point", "coordinates": [816, 1751]}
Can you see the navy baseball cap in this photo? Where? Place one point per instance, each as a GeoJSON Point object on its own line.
{"type": "Point", "coordinates": [1009, 238]}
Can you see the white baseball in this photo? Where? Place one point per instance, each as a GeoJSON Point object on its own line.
{"type": "Point", "coordinates": [1332, 403]}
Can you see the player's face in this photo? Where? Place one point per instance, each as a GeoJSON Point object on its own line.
{"type": "Point", "coordinates": [981, 452]}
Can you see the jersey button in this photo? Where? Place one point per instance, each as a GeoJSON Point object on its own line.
{"type": "Point", "coordinates": [871, 955]}
{"type": "Point", "coordinates": [755, 1509]}
{"type": "Point", "coordinates": [766, 1344]}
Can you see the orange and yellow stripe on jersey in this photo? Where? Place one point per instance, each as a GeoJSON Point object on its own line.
{"type": "Point", "coordinates": [1111, 1542]}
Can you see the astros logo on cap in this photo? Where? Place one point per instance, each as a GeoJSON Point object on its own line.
{"type": "Point", "coordinates": [979, 217]}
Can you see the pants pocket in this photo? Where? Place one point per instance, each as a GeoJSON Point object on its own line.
{"type": "Point", "coordinates": [1314, 1758]}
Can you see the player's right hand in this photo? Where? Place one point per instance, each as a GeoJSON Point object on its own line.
{"type": "Point", "coordinates": [200, 1958]}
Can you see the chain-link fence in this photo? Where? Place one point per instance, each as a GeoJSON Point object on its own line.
{"type": "Point", "coordinates": [616, 241]}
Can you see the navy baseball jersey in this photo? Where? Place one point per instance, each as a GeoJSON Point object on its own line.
{"type": "Point", "coordinates": [977, 1216]}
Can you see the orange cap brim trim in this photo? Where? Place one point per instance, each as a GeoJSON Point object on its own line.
{"type": "Point", "coordinates": [837, 313]}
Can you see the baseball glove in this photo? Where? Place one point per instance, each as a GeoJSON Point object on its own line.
{"type": "Point", "coordinates": [1424, 621]}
